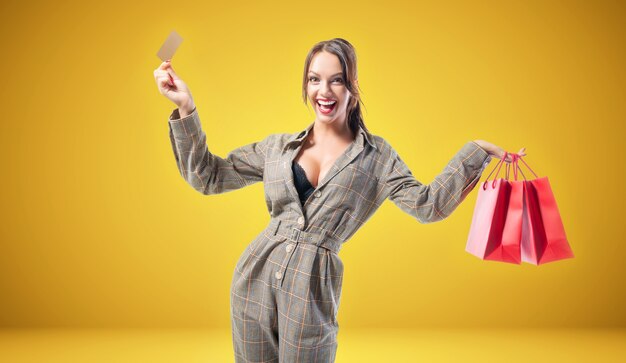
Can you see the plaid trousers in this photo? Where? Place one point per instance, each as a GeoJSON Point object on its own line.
{"type": "Point", "coordinates": [286, 286]}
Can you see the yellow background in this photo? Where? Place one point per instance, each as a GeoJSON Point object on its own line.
{"type": "Point", "coordinates": [100, 230]}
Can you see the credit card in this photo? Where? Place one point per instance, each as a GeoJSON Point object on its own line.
{"type": "Point", "coordinates": [169, 46]}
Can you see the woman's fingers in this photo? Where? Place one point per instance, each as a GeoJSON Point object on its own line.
{"type": "Point", "coordinates": [505, 155]}
{"type": "Point", "coordinates": [164, 84]}
{"type": "Point", "coordinates": [162, 78]}
{"type": "Point", "coordinates": [509, 157]}
{"type": "Point", "coordinates": [500, 154]}
{"type": "Point", "coordinates": [170, 85]}
{"type": "Point", "coordinates": [166, 68]}
{"type": "Point", "coordinates": [165, 65]}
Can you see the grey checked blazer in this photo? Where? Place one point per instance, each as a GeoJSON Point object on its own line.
{"type": "Point", "coordinates": [287, 283]}
{"type": "Point", "coordinates": [357, 184]}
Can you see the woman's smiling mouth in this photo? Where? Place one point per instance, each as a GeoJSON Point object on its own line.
{"type": "Point", "coordinates": [326, 107]}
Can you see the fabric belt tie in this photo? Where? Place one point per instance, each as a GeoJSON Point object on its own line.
{"type": "Point", "coordinates": [297, 236]}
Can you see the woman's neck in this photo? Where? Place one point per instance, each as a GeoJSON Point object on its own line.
{"type": "Point", "coordinates": [332, 133]}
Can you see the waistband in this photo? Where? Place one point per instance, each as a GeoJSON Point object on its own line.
{"type": "Point", "coordinates": [297, 235]}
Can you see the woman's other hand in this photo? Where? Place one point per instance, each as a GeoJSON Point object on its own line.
{"type": "Point", "coordinates": [176, 92]}
{"type": "Point", "coordinates": [498, 152]}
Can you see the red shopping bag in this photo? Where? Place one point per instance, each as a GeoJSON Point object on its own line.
{"type": "Point", "coordinates": [512, 232]}
{"type": "Point", "coordinates": [490, 222]}
{"type": "Point", "coordinates": [543, 236]}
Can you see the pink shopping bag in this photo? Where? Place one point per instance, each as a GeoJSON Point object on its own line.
{"type": "Point", "coordinates": [511, 235]}
{"type": "Point", "coordinates": [489, 221]}
{"type": "Point", "coordinates": [543, 236]}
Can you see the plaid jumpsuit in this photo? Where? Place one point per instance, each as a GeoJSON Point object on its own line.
{"type": "Point", "coordinates": [286, 286]}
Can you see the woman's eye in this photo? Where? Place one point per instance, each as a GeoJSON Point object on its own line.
{"type": "Point", "coordinates": [312, 79]}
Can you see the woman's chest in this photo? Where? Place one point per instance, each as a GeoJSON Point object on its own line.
{"type": "Point", "coordinates": [317, 161]}
{"type": "Point", "coordinates": [347, 180]}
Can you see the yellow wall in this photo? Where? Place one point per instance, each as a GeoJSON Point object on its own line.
{"type": "Point", "coordinates": [99, 228]}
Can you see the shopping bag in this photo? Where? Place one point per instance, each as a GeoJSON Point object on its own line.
{"type": "Point", "coordinates": [543, 237]}
{"type": "Point", "coordinates": [510, 250]}
{"type": "Point", "coordinates": [489, 221]}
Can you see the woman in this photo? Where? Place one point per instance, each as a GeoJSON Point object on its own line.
{"type": "Point", "coordinates": [321, 185]}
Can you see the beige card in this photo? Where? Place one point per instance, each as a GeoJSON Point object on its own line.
{"type": "Point", "coordinates": [169, 47]}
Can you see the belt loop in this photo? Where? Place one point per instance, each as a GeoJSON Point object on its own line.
{"type": "Point", "coordinates": [295, 235]}
{"type": "Point", "coordinates": [327, 273]}
{"type": "Point", "coordinates": [322, 237]}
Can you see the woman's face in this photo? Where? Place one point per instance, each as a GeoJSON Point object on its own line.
{"type": "Point", "coordinates": [326, 83]}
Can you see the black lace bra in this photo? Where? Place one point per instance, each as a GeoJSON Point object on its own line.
{"type": "Point", "coordinates": [303, 186]}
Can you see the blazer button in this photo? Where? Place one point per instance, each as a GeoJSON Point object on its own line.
{"type": "Point", "coordinates": [300, 220]}
{"type": "Point", "coordinates": [278, 275]}
{"type": "Point", "coordinates": [289, 247]}
{"type": "Point", "coordinates": [318, 194]}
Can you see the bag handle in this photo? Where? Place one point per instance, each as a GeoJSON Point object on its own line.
{"type": "Point", "coordinates": [520, 158]}
{"type": "Point", "coordinates": [506, 174]}
{"type": "Point", "coordinates": [515, 166]}
{"type": "Point", "coordinates": [516, 159]}
{"type": "Point", "coordinates": [499, 165]}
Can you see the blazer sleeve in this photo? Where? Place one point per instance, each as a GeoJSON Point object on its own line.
{"type": "Point", "coordinates": [437, 200]}
{"type": "Point", "coordinates": [207, 172]}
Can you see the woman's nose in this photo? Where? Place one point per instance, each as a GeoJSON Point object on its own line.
{"type": "Point", "coordinates": [325, 88]}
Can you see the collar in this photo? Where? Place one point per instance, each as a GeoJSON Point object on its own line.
{"type": "Point", "coordinates": [362, 137]}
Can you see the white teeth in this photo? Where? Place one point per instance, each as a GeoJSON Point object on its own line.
{"type": "Point", "coordinates": [326, 103]}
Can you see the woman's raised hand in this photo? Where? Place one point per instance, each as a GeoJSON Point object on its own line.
{"type": "Point", "coordinates": [176, 92]}
{"type": "Point", "coordinates": [497, 151]}
{"type": "Point", "coordinates": [509, 158]}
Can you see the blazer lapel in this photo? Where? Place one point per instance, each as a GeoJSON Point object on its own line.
{"type": "Point", "coordinates": [287, 156]}
{"type": "Point", "coordinates": [288, 174]}
{"type": "Point", "coordinates": [343, 160]}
